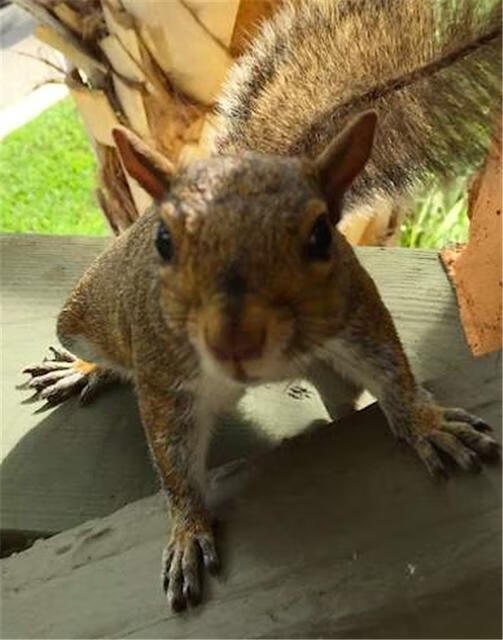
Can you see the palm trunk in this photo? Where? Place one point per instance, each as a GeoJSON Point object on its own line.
{"type": "Point", "coordinates": [156, 66]}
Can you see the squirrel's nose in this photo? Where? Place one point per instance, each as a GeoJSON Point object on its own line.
{"type": "Point", "coordinates": [236, 344]}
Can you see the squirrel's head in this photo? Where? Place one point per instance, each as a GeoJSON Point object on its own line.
{"type": "Point", "coordinates": [251, 265]}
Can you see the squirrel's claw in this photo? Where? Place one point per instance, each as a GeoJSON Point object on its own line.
{"type": "Point", "coordinates": [46, 367]}
{"type": "Point", "coordinates": [460, 415]}
{"type": "Point", "coordinates": [481, 443]}
{"type": "Point", "coordinates": [60, 354]}
{"type": "Point", "coordinates": [181, 567]}
{"type": "Point", "coordinates": [210, 557]}
{"type": "Point", "coordinates": [174, 582]}
{"type": "Point", "coordinates": [426, 451]}
{"type": "Point", "coordinates": [456, 450]}
{"type": "Point", "coordinates": [190, 568]}
{"type": "Point", "coordinates": [42, 381]}
{"type": "Point", "coordinates": [64, 387]}
{"type": "Point", "coordinates": [55, 380]}
{"type": "Point", "coordinates": [59, 377]}
{"type": "Point", "coordinates": [460, 436]}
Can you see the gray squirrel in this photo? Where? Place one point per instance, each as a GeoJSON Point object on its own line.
{"type": "Point", "coordinates": [238, 276]}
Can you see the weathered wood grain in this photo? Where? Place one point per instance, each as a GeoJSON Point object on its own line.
{"type": "Point", "coordinates": [339, 534]}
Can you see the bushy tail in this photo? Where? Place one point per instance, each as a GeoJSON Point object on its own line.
{"type": "Point", "coordinates": [431, 69]}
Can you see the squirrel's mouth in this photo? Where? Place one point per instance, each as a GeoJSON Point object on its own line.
{"type": "Point", "coordinates": [246, 347]}
{"type": "Point", "coordinates": [244, 371]}
{"type": "Point", "coordinates": [266, 368]}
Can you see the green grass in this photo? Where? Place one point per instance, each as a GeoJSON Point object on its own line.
{"type": "Point", "coordinates": [47, 179]}
{"type": "Point", "coordinates": [438, 219]}
{"type": "Point", "coordinates": [47, 176]}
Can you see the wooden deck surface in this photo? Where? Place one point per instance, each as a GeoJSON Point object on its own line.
{"type": "Point", "coordinates": [339, 534]}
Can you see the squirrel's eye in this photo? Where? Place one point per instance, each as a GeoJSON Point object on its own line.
{"type": "Point", "coordinates": [320, 241]}
{"type": "Point", "coordinates": [164, 243]}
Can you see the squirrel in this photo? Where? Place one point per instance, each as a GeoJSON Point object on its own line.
{"type": "Point", "coordinates": [238, 276]}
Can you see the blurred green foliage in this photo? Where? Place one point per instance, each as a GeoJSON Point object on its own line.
{"type": "Point", "coordinates": [438, 218]}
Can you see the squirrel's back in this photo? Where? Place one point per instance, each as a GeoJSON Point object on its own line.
{"type": "Point", "coordinates": [431, 69]}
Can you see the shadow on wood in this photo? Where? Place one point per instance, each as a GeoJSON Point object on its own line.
{"type": "Point", "coordinates": [339, 534]}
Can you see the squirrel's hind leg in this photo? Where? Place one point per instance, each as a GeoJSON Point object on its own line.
{"type": "Point", "coordinates": [63, 375]}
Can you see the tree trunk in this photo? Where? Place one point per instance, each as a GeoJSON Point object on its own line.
{"type": "Point", "coordinates": [157, 67]}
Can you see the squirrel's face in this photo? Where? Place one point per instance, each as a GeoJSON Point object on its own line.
{"type": "Point", "coordinates": [252, 270]}
{"type": "Point", "coordinates": [250, 264]}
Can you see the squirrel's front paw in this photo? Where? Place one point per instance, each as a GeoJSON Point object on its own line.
{"type": "Point", "coordinates": [191, 545]}
{"type": "Point", "coordinates": [459, 435]}
{"type": "Point", "coordinates": [62, 375]}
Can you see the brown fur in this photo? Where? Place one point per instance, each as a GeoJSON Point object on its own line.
{"type": "Point", "coordinates": [86, 368]}
{"type": "Point", "coordinates": [241, 298]}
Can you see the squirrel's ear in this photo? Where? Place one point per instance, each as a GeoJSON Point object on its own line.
{"type": "Point", "coordinates": [344, 158]}
{"type": "Point", "coordinates": [148, 167]}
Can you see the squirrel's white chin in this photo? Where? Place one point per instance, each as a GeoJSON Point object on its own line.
{"type": "Point", "coordinates": [246, 372]}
